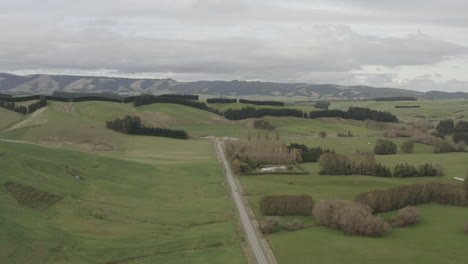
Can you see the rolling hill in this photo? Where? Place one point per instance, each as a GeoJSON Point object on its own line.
{"type": "Point", "coordinates": [48, 84]}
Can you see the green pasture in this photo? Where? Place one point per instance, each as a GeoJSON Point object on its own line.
{"type": "Point", "coordinates": [122, 210]}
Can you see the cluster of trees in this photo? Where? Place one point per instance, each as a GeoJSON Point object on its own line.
{"type": "Point", "coordinates": [322, 105]}
{"type": "Point", "coordinates": [385, 147]}
{"type": "Point", "coordinates": [461, 137]}
{"type": "Point", "coordinates": [13, 107]}
{"type": "Point", "coordinates": [34, 106]}
{"type": "Point", "coordinates": [350, 217]}
{"type": "Point", "coordinates": [287, 205]}
{"type": "Point", "coordinates": [310, 154]}
{"type": "Point", "coordinates": [364, 163]}
{"type": "Point", "coordinates": [182, 96]}
{"type": "Point", "coordinates": [440, 145]}
{"type": "Point", "coordinates": [243, 101]}
{"type": "Point", "coordinates": [357, 113]}
{"type": "Point", "coordinates": [132, 125]}
{"type": "Point", "coordinates": [426, 170]}
{"type": "Point", "coordinates": [392, 199]}
{"type": "Point", "coordinates": [262, 152]}
{"type": "Point", "coordinates": [221, 101]}
{"type": "Point", "coordinates": [448, 127]}
{"type": "Point", "coordinates": [250, 112]}
{"type": "Point", "coordinates": [23, 109]}
{"type": "Point", "coordinates": [263, 124]}
{"type": "Point", "coordinates": [272, 225]}
{"type": "Point", "coordinates": [360, 163]}
{"type": "Point", "coordinates": [396, 98]}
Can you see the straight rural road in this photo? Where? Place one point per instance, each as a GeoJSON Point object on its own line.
{"type": "Point", "coordinates": [252, 237]}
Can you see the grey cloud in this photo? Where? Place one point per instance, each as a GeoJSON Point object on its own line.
{"type": "Point", "coordinates": [276, 40]}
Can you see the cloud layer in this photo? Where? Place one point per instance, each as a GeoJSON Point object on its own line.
{"type": "Point", "coordinates": [421, 45]}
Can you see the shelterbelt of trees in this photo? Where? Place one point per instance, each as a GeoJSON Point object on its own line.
{"type": "Point", "coordinates": [357, 113]}
{"type": "Point", "coordinates": [23, 109]}
{"type": "Point", "coordinates": [132, 125]}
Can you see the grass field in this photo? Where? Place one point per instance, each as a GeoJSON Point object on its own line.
{"type": "Point", "coordinates": [438, 238]}
{"type": "Point", "coordinates": [171, 210]}
{"type": "Point", "coordinates": [118, 198]}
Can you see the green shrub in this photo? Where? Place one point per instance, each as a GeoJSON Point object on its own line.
{"type": "Point", "coordinates": [270, 225]}
{"type": "Point", "coordinates": [407, 147]}
{"type": "Point", "coordinates": [408, 216]}
{"type": "Point", "coordinates": [405, 170]}
{"type": "Point", "coordinates": [382, 171]}
{"type": "Point", "coordinates": [385, 147]}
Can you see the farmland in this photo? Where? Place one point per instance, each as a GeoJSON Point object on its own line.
{"type": "Point", "coordinates": [119, 198]}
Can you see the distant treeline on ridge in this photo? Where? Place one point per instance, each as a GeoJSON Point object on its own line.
{"type": "Point", "coordinates": [357, 113]}
{"type": "Point", "coordinates": [23, 109]}
{"type": "Point", "coordinates": [132, 125]}
{"type": "Point", "coordinates": [242, 101]}
{"type": "Point", "coordinates": [396, 98]}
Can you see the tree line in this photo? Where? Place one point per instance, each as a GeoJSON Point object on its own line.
{"type": "Point", "coordinates": [364, 163]}
{"type": "Point", "coordinates": [287, 205]}
{"type": "Point", "coordinates": [23, 109]}
{"type": "Point", "coordinates": [132, 125]}
{"type": "Point", "coordinates": [274, 103]}
{"type": "Point", "coordinates": [392, 199]}
{"type": "Point", "coordinates": [221, 101]}
{"type": "Point", "coordinates": [396, 98]}
{"type": "Point", "coordinates": [357, 113]}
{"type": "Point", "coordinates": [407, 106]}
{"type": "Point", "coordinates": [310, 154]}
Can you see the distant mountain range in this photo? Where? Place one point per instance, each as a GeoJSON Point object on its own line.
{"type": "Point", "coordinates": [48, 84]}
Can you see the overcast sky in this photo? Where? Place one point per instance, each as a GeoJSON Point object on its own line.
{"type": "Point", "coordinates": [417, 44]}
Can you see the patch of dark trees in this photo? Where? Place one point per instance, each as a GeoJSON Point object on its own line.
{"type": "Point", "coordinates": [357, 113]}
{"type": "Point", "coordinates": [287, 205]}
{"type": "Point", "coordinates": [392, 199]}
{"type": "Point", "coordinates": [407, 106]}
{"type": "Point", "coordinates": [221, 101]}
{"type": "Point", "coordinates": [322, 105]}
{"type": "Point", "coordinates": [23, 109]}
{"type": "Point", "coordinates": [396, 98]}
{"type": "Point", "coordinates": [132, 125]}
{"type": "Point", "coordinates": [385, 147]}
{"type": "Point", "coordinates": [364, 163]}
{"type": "Point", "coordinates": [34, 106]}
{"type": "Point", "coordinates": [250, 112]}
{"type": "Point", "coordinates": [274, 103]}
{"type": "Point", "coordinates": [310, 154]}
{"type": "Point", "coordinates": [458, 130]}
{"type": "Point", "coordinates": [13, 107]}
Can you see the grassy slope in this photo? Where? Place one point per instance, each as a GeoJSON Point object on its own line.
{"type": "Point", "coordinates": [8, 118]}
{"type": "Point", "coordinates": [151, 196]}
{"type": "Point", "coordinates": [170, 211]}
